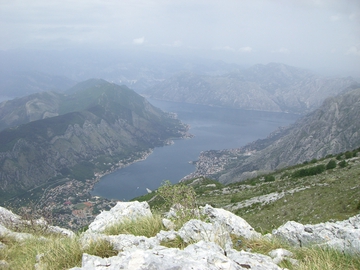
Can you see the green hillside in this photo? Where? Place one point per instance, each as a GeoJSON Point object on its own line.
{"type": "Point", "coordinates": [269, 201]}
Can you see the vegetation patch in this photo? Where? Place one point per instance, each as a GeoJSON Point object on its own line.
{"type": "Point", "coordinates": [308, 258]}
{"type": "Point", "coordinates": [147, 226]}
{"type": "Point", "coordinates": [53, 252]}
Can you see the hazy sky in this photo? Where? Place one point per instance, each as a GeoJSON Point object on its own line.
{"type": "Point", "coordinates": [313, 34]}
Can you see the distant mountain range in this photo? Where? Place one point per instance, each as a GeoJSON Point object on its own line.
{"type": "Point", "coordinates": [23, 83]}
{"type": "Point", "coordinates": [26, 72]}
{"type": "Point", "coordinates": [331, 129]}
{"type": "Point", "coordinates": [272, 87]}
{"type": "Point", "coordinates": [49, 136]}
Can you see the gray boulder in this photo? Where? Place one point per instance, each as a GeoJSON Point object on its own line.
{"type": "Point", "coordinates": [200, 256]}
{"type": "Point", "coordinates": [5, 232]}
{"type": "Point", "coordinates": [121, 211]}
{"type": "Point", "coordinates": [254, 261]}
{"type": "Point", "coordinates": [210, 243]}
{"type": "Point", "coordinates": [231, 222]}
{"type": "Point", "coordinates": [8, 218]}
{"type": "Point", "coordinates": [196, 230]}
{"type": "Point", "coordinates": [280, 254]}
{"type": "Point", "coordinates": [341, 235]}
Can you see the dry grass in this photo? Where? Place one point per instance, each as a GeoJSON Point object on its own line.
{"type": "Point", "coordinates": [309, 258]}
{"type": "Point", "coordinates": [326, 259]}
{"type": "Point", "coordinates": [55, 252]}
{"type": "Point", "coordinates": [147, 226]}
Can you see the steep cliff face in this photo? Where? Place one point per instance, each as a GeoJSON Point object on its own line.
{"type": "Point", "coordinates": [111, 123]}
{"type": "Point", "coordinates": [272, 87]}
{"type": "Point", "coordinates": [331, 129]}
{"type": "Point", "coordinates": [30, 108]}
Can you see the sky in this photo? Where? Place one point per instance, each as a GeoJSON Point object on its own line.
{"type": "Point", "coordinates": [315, 34]}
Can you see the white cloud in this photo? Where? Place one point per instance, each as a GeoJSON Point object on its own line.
{"type": "Point", "coordinates": [335, 18]}
{"type": "Point", "coordinates": [355, 50]}
{"type": "Point", "coordinates": [224, 48]}
{"type": "Point", "coordinates": [246, 49]}
{"type": "Point", "coordinates": [177, 43]}
{"type": "Point", "coordinates": [230, 30]}
{"type": "Point", "coordinates": [282, 50]}
{"type": "Point", "coordinates": [139, 41]}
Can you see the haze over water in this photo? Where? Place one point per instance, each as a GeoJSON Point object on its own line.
{"type": "Point", "coordinates": [214, 129]}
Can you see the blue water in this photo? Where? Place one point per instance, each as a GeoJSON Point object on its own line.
{"type": "Point", "coordinates": [214, 129]}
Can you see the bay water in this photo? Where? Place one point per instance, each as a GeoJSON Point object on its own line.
{"type": "Point", "coordinates": [213, 128]}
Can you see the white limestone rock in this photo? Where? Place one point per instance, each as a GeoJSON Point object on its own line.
{"type": "Point", "coordinates": [280, 254]}
{"type": "Point", "coordinates": [233, 223]}
{"type": "Point", "coordinates": [341, 235]}
{"type": "Point", "coordinates": [253, 261]}
{"type": "Point", "coordinates": [166, 236]}
{"type": "Point", "coordinates": [123, 242]}
{"type": "Point", "coordinates": [196, 230]}
{"type": "Point", "coordinates": [61, 231]}
{"type": "Point", "coordinates": [199, 256]}
{"type": "Point", "coordinates": [41, 222]}
{"type": "Point", "coordinates": [4, 264]}
{"type": "Point", "coordinates": [17, 236]}
{"type": "Point", "coordinates": [8, 218]}
{"type": "Point", "coordinates": [168, 224]}
{"type": "Point", "coordinates": [122, 210]}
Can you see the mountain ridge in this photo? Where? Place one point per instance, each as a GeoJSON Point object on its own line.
{"type": "Point", "coordinates": [112, 123]}
{"type": "Point", "coordinates": [331, 129]}
{"type": "Point", "coordinates": [272, 87]}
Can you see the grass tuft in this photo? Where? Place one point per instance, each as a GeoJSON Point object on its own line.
{"type": "Point", "coordinates": [178, 242]}
{"type": "Point", "coordinates": [316, 258]}
{"type": "Point", "coordinates": [55, 252]}
{"type": "Point", "coordinates": [309, 258]}
{"type": "Point", "coordinates": [147, 226]}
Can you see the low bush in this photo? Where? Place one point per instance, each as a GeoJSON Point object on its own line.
{"type": "Point", "coordinates": [342, 164]}
{"type": "Point", "coordinates": [309, 171]}
{"type": "Point", "coordinates": [331, 164]}
{"type": "Point", "coordinates": [269, 178]}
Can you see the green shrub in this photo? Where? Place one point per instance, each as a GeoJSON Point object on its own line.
{"type": "Point", "coordinates": [348, 154]}
{"type": "Point", "coordinates": [235, 199]}
{"type": "Point", "coordinates": [309, 171]}
{"type": "Point", "coordinates": [177, 194]}
{"type": "Point", "coordinates": [181, 196]}
{"type": "Point", "coordinates": [343, 164]}
{"type": "Point", "coordinates": [331, 165]}
{"type": "Point", "coordinates": [339, 157]}
{"type": "Point", "coordinates": [269, 178]}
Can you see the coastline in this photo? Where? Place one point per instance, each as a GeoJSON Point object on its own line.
{"type": "Point", "coordinates": [121, 165]}
{"type": "Point", "coordinates": [144, 155]}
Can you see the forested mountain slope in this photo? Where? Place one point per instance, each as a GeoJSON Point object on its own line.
{"type": "Point", "coordinates": [95, 127]}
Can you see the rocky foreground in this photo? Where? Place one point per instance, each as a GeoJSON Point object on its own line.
{"type": "Point", "coordinates": [210, 245]}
